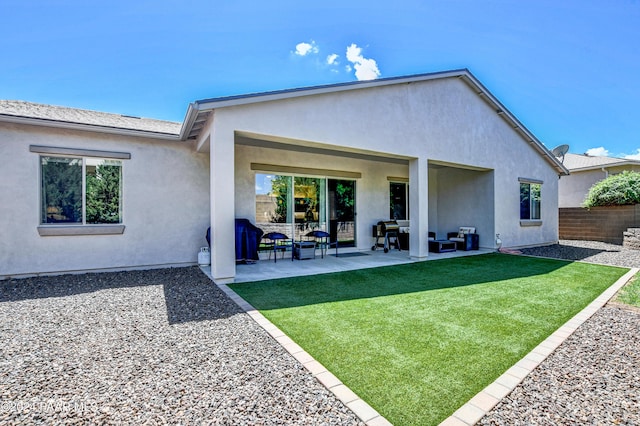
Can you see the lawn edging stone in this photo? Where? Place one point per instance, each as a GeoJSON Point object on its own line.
{"type": "Point", "coordinates": [483, 402]}
{"type": "Point", "coordinates": [350, 399]}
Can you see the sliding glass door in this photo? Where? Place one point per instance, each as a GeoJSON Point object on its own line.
{"type": "Point", "coordinates": [309, 205]}
{"type": "Point", "coordinates": [297, 205]}
{"type": "Point", "coordinates": [342, 223]}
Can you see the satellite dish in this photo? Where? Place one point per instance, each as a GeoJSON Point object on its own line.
{"type": "Point", "coordinates": [560, 151]}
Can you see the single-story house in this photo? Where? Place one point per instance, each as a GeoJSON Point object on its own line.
{"type": "Point", "coordinates": [84, 190]}
{"type": "Point", "coordinates": [587, 170]}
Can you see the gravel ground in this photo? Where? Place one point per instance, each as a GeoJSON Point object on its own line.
{"type": "Point", "coordinates": [594, 376]}
{"type": "Point", "coordinates": [589, 251]}
{"type": "Point", "coordinates": [146, 347]}
{"type": "Point", "coordinates": [166, 346]}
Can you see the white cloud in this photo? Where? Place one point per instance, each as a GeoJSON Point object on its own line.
{"type": "Point", "coordinates": [598, 152]}
{"type": "Point", "coordinates": [366, 69]}
{"type": "Point", "coordinates": [332, 59]}
{"type": "Point", "coordinates": [635, 156]}
{"type": "Point", "coordinates": [303, 49]}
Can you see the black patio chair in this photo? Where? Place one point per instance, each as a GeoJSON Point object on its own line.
{"type": "Point", "coordinates": [323, 241]}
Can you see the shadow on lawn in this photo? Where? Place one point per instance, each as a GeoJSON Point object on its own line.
{"type": "Point", "coordinates": [189, 295]}
{"type": "Point", "coordinates": [390, 280]}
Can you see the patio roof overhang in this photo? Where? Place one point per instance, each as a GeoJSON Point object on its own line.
{"type": "Point", "coordinates": [310, 147]}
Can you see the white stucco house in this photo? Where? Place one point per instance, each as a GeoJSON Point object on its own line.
{"type": "Point", "coordinates": [84, 190]}
{"type": "Point", "coordinates": [586, 170]}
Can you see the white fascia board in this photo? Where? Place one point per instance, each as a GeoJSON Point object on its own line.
{"type": "Point", "coordinates": [309, 91]}
{"type": "Point", "coordinates": [43, 122]}
{"type": "Point", "coordinates": [189, 119]}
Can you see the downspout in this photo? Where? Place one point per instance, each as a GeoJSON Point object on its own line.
{"type": "Point", "coordinates": [606, 173]}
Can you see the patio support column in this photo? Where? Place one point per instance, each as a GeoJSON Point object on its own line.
{"type": "Point", "coordinates": [222, 198]}
{"type": "Point", "coordinates": [419, 208]}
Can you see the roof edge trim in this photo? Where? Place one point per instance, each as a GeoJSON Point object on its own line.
{"type": "Point", "coordinates": [189, 119]}
{"type": "Point", "coordinates": [515, 123]}
{"type": "Point", "coordinates": [327, 88]}
{"type": "Point", "coordinates": [606, 166]}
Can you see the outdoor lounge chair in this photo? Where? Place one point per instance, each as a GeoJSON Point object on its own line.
{"type": "Point", "coordinates": [466, 238]}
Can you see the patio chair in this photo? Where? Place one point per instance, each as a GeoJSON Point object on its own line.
{"type": "Point", "coordinates": [466, 238]}
{"type": "Point", "coordinates": [273, 242]}
{"type": "Point", "coordinates": [323, 241]}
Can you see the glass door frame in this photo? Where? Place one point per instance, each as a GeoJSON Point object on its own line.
{"type": "Point", "coordinates": [291, 225]}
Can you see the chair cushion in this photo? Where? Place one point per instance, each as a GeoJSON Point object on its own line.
{"type": "Point", "coordinates": [466, 230]}
{"type": "Point", "coordinates": [457, 239]}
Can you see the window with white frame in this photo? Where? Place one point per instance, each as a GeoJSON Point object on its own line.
{"type": "Point", "coordinates": [530, 199]}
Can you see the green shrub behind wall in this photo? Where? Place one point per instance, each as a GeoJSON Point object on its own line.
{"type": "Point", "coordinates": [616, 190]}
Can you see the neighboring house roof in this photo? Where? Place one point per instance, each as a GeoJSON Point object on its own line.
{"type": "Point", "coordinates": [57, 116]}
{"type": "Point", "coordinates": [200, 111]}
{"type": "Point", "coordinates": [583, 162]}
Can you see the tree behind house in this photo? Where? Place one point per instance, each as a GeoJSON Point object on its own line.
{"type": "Point", "coordinates": [103, 194]}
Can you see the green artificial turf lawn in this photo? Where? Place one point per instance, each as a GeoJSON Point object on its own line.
{"type": "Point", "coordinates": [416, 341]}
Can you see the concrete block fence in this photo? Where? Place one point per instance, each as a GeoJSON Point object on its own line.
{"type": "Point", "coordinates": [606, 224]}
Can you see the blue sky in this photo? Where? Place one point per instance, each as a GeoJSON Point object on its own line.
{"type": "Point", "coordinates": [569, 70]}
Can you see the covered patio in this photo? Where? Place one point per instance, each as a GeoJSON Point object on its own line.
{"type": "Point", "coordinates": [309, 159]}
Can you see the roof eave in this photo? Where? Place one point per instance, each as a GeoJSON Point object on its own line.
{"type": "Point", "coordinates": [87, 127]}
{"type": "Point", "coordinates": [222, 102]}
{"type": "Point", "coordinates": [189, 119]}
{"type": "Point", "coordinates": [605, 166]}
{"type": "Point", "coordinates": [211, 104]}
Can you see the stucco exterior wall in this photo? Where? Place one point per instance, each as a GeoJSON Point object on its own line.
{"type": "Point", "coordinates": [165, 205]}
{"type": "Point", "coordinates": [440, 120]}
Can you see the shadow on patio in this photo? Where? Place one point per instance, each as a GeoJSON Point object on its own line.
{"type": "Point", "coordinates": [392, 280]}
{"type": "Point", "coordinates": [267, 269]}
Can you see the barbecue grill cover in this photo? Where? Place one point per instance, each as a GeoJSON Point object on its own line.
{"type": "Point", "coordinates": [247, 239]}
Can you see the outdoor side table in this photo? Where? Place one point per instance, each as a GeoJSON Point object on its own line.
{"type": "Point", "coordinates": [441, 246]}
{"type": "Point", "coordinates": [304, 250]}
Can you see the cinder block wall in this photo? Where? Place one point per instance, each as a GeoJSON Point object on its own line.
{"type": "Point", "coordinates": [605, 224]}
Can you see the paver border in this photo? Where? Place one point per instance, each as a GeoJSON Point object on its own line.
{"type": "Point", "coordinates": [483, 402]}
{"type": "Point", "coordinates": [360, 408]}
